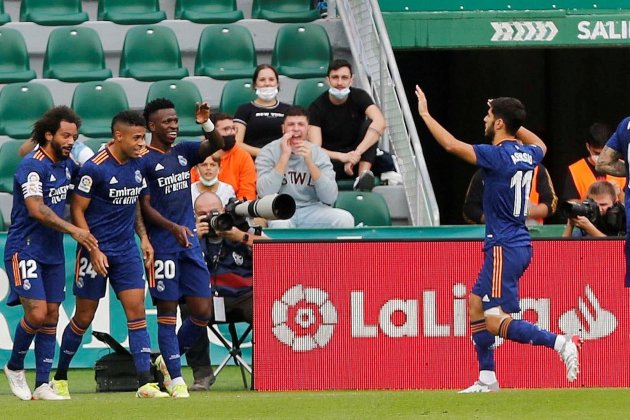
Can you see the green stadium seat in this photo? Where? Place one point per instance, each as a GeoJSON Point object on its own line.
{"type": "Point", "coordinates": [302, 51]}
{"type": "Point", "coordinates": [284, 11]}
{"type": "Point", "coordinates": [348, 184]}
{"type": "Point", "coordinates": [368, 208]}
{"type": "Point", "coordinates": [204, 11]}
{"type": "Point", "coordinates": [308, 90]}
{"type": "Point", "coordinates": [151, 53]}
{"type": "Point", "coordinates": [9, 160]}
{"type": "Point", "coordinates": [226, 52]}
{"type": "Point", "coordinates": [110, 99]}
{"type": "Point", "coordinates": [75, 54]}
{"type": "Point", "coordinates": [21, 104]}
{"type": "Point", "coordinates": [4, 17]}
{"type": "Point", "coordinates": [96, 144]}
{"type": "Point", "coordinates": [235, 93]}
{"type": "Point", "coordinates": [53, 12]}
{"type": "Point", "coordinates": [3, 226]}
{"type": "Point", "coordinates": [130, 12]}
{"type": "Point", "coordinates": [15, 64]}
{"type": "Point", "coordinates": [183, 94]}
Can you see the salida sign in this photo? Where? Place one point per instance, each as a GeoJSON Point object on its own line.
{"type": "Point", "coordinates": [361, 315]}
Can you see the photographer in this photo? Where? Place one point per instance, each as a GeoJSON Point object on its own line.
{"type": "Point", "coordinates": [600, 215]}
{"type": "Point", "coordinates": [229, 257]}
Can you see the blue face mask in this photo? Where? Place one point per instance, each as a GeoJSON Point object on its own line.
{"type": "Point", "coordinates": [339, 94]}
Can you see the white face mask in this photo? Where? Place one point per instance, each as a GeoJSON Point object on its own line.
{"type": "Point", "coordinates": [267, 93]}
{"type": "Point", "coordinates": [339, 94]}
{"type": "Point", "coordinates": [209, 182]}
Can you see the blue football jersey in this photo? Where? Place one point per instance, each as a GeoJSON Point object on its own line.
{"type": "Point", "coordinates": [509, 168]}
{"type": "Point", "coordinates": [168, 182]}
{"type": "Point", "coordinates": [39, 175]}
{"type": "Point", "coordinates": [113, 189]}
{"type": "Point", "coordinates": [620, 141]}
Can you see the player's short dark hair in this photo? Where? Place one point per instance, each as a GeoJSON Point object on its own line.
{"type": "Point", "coordinates": [296, 111]}
{"type": "Point", "coordinates": [220, 116]}
{"type": "Point", "coordinates": [337, 64]}
{"type": "Point", "coordinates": [129, 117]}
{"type": "Point", "coordinates": [262, 67]}
{"type": "Point", "coordinates": [598, 134]}
{"type": "Point", "coordinates": [154, 106]}
{"type": "Point", "coordinates": [51, 121]}
{"type": "Point", "coordinates": [511, 111]}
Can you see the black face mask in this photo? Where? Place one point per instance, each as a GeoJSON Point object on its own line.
{"type": "Point", "coordinates": [229, 142]}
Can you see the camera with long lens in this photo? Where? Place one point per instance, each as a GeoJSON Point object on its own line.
{"type": "Point", "coordinates": [270, 207]}
{"type": "Point", "coordinates": [587, 208]}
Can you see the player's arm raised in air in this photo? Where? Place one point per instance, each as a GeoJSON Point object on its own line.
{"type": "Point", "coordinates": [181, 233]}
{"type": "Point", "coordinates": [77, 209]}
{"type": "Point", "coordinates": [444, 138]}
{"type": "Point", "coordinates": [611, 162]}
{"type": "Point", "coordinates": [213, 140]}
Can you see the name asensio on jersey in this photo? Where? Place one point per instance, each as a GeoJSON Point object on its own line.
{"type": "Point", "coordinates": [521, 157]}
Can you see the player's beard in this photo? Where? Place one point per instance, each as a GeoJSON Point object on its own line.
{"type": "Point", "coordinates": [58, 150]}
{"type": "Point", "coordinates": [489, 133]}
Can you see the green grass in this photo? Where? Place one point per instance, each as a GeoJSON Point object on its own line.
{"type": "Point", "coordinates": [227, 399]}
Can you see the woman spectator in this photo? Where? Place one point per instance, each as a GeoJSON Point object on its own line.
{"type": "Point", "coordinates": [259, 122]}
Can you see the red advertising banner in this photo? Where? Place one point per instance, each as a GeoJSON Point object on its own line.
{"type": "Point", "coordinates": [393, 315]}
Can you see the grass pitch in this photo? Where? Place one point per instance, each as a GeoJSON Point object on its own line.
{"type": "Point", "coordinates": [228, 400]}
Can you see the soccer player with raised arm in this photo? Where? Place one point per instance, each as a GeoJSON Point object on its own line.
{"type": "Point", "coordinates": [508, 164]}
{"type": "Point", "coordinates": [179, 269]}
{"type": "Point", "coordinates": [33, 255]}
{"type": "Point", "coordinates": [106, 203]}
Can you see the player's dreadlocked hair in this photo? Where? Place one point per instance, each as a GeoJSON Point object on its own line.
{"type": "Point", "coordinates": [50, 122]}
{"type": "Point", "coordinates": [156, 105]}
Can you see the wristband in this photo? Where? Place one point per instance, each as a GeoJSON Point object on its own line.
{"type": "Point", "coordinates": [208, 126]}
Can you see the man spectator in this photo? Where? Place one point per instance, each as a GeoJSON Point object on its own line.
{"type": "Point", "coordinates": [34, 253]}
{"type": "Point", "coordinates": [229, 259]}
{"type": "Point", "coordinates": [106, 203]}
{"type": "Point", "coordinates": [606, 216]}
{"type": "Point", "coordinates": [347, 124]}
{"type": "Point", "coordinates": [542, 198]}
{"type": "Point", "coordinates": [583, 172]}
{"type": "Point", "coordinates": [293, 165]}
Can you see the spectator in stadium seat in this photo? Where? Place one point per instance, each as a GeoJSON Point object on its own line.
{"type": "Point", "coordinates": [229, 259]}
{"type": "Point", "coordinates": [237, 166]}
{"type": "Point", "coordinates": [508, 164]}
{"type": "Point", "coordinates": [34, 252]}
{"type": "Point", "coordinates": [258, 122]}
{"type": "Point", "coordinates": [610, 220]}
{"type": "Point", "coordinates": [208, 171]}
{"type": "Point", "coordinates": [614, 161]}
{"type": "Point", "coordinates": [293, 165]}
{"type": "Point", "coordinates": [582, 173]}
{"type": "Point", "coordinates": [347, 124]}
{"type": "Point", "coordinates": [542, 198]}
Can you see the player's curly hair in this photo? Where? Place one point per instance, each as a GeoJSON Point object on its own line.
{"type": "Point", "coordinates": [51, 121]}
{"type": "Point", "coordinates": [156, 105]}
{"type": "Point", "coordinates": [129, 117]}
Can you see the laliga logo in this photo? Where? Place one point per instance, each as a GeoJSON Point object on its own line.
{"type": "Point", "coordinates": [303, 318]}
{"type": "Point", "coordinates": [598, 321]}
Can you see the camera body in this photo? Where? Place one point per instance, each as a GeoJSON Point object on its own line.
{"type": "Point", "coordinates": [611, 223]}
{"type": "Point", "coordinates": [270, 207]}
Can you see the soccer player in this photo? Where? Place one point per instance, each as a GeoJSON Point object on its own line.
{"type": "Point", "coordinates": [34, 256]}
{"type": "Point", "coordinates": [614, 161]}
{"type": "Point", "coordinates": [179, 269]}
{"type": "Point", "coordinates": [106, 202]}
{"type": "Point", "coordinates": [508, 164]}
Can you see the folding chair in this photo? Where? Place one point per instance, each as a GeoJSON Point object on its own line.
{"type": "Point", "coordinates": [234, 348]}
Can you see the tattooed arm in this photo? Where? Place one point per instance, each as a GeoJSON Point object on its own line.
{"type": "Point", "coordinates": [610, 162]}
{"type": "Point", "coordinates": [145, 244]}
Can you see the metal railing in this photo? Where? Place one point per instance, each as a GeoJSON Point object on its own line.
{"type": "Point", "coordinates": [377, 72]}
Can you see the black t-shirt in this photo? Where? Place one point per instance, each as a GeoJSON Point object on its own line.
{"type": "Point", "coordinates": [264, 124]}
{"type": "Point", "coordinates": [340, 124]}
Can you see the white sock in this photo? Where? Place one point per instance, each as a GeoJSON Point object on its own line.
{"type": "Point", "coordinates": [177, 381]}
{"type": "Point", "coordinates": [487, 377]}
{"type": "Point", "coordinates": [560, 340]}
